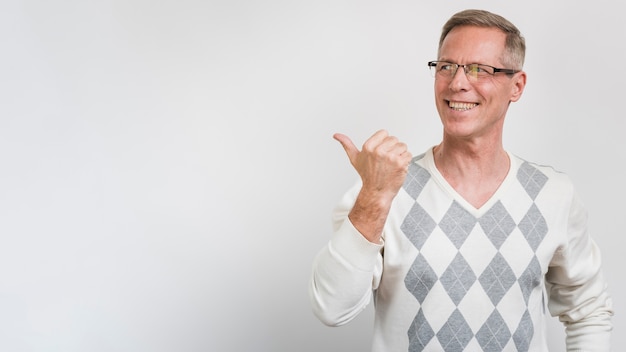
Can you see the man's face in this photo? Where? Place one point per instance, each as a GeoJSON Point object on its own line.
{"type": "Point", "coordinates": [475, 109]}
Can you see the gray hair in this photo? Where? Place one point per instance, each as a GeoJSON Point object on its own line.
{"type": "Point", "coordinates": [515, 45]}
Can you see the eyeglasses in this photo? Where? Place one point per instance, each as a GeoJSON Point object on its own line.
{"type": "Point", "coordinates": [474, 72]}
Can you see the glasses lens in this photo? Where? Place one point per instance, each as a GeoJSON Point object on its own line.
{"type": "Point", "coordinates": [446, 69]}
{"type": "Point", "coordinates": [473, 71]}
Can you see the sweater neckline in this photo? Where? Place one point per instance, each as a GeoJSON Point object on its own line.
{"type": "Point", "coordinates": [429, 160]}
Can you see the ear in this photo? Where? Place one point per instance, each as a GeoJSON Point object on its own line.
{"type": "Point", "coordinates": [519, 84]}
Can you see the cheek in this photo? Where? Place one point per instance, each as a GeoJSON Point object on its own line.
{"type": "Point", "coordinates": [440, 86]}
{"type": "Point", "coordinates": [440, 103]}
{"type": "Point", "coordinates": [440, 91]}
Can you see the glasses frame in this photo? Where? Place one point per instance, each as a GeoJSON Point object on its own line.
{"type": "Point", "coordinates": [508, 71]}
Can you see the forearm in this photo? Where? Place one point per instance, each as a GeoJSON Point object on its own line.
{"type": "Point", "coordinates": [343, 276]}
{"type": "Point", "coordinates": [578, 290]}
{"type": "Point", "coordinates": [592, 334]}
{"type": "Point", "coordinates": [369, 213]}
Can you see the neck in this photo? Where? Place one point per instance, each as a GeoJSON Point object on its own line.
{"type": "Point", "coordinates": [467, 157]}
{"type": "Point", "coordinates": [475, 171]}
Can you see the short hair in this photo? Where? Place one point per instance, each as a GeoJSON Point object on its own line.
{"type": "Point", "coordinates": [515, 45]}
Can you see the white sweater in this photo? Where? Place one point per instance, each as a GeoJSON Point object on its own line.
{"type": "Point", "coordinates": [450, 277]}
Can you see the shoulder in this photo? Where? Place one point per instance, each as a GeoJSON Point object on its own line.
{"type": "Point", "coordinates": [528, 165]}
{"type": "Point", "coordinates": [533, 174]}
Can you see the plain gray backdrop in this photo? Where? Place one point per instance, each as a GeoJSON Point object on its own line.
{"type": "Point", "coordinates": [167, 168]}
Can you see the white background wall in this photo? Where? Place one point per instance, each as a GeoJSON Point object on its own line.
{"type": "Point", "coordinates": [167, 170]}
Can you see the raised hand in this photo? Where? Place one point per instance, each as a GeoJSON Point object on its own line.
{"type": "Point", "coordinates": [382, 164]}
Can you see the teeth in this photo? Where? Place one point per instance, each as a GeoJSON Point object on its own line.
{"type": "Point", "coordinates": [461, 106]}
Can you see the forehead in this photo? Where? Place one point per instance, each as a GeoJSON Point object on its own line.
{"type": "Point", "coordinates": [472, 44]}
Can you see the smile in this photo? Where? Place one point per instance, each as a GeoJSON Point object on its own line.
{"type": "Point", "coordinates": [458, 106]}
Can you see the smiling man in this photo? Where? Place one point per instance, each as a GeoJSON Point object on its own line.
{"type": "Point", "coordinates": [465, 247]}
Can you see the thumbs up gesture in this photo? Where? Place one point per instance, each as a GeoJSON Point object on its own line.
{"type": "Point", "coordinates": [382, 163]}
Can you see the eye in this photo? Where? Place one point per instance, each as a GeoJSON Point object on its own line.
{"type": "Point", "coordinates": [480, 70]}
{"type": "Point", "coordinates": [475, 69]}
{"type": "Point", "coordinates": [445, 66]}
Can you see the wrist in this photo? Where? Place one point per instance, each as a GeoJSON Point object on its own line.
{"type": "Point", "coordinates": [369, 214]}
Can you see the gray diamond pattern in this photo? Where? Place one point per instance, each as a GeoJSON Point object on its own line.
{"type": "Point", "coordinates": [420, 333]}
{"type": "Point", "coordinates": [420, 278]}
{"type": "Point", "coordinates": [497, 278]}
{"type": "Point", "coordinates": [455, 333]}
{"type": "Point", "coordinates": [530, 278]}
{"type": "Point", "coordinates": [457, 224]}
{"type": "Point", "coordinates": [534, 227]}
{"type": "Point", "coordinates": [531, 179]}
{"type": "Point", "coordinates": [494, 334]}
{"type": "Point", "coordinates": [524, 333]}
{"type": "Point", "coordinates": [415, 179]}
{"type": "Point", "coordinates": [497, 224]}
{"type": "Point", "coordinates": [418, 225]}
{"type": "Point", "coordinates": [458, 278]}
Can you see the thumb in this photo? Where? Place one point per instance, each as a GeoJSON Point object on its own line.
{"type": "Point", "coordinates": [348, 146]}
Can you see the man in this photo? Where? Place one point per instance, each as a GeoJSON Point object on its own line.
{"type": "Point", "coordinates": [466, 247]}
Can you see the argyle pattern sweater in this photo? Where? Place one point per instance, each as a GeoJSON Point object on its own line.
{"type": "Point", "coordinates": [450, 277]}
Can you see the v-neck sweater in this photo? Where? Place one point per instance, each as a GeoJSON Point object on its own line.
{"type": "Point", "coordinates": [452, 277]}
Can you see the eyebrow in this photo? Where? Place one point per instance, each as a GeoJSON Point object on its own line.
{"type": "Point", "coordinates": [468, 63]}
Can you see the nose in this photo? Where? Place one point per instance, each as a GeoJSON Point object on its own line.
{"type": "Point", "coordinates": [459, 81]}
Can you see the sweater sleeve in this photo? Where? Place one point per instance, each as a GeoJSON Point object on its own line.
{"type": "Point", "coordinates": [345, 271]}
{"type": "Point", "coordinates": [577, 289]}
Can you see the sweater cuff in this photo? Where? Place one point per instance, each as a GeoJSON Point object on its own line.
{"type": "Point", "coordinates": [353, 247]}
